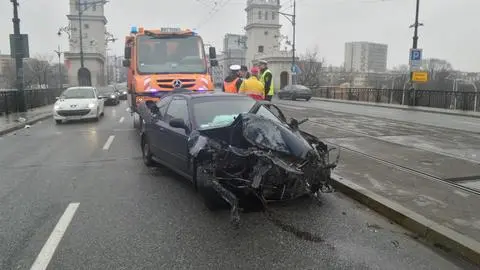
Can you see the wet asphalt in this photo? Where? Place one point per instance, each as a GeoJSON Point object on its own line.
{"type": "Point", "coordinates": [133, 217]}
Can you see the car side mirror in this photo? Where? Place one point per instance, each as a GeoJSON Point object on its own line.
{"type": "Point", "coordinates": [127, 53]}
{"type": "Point", "coordinates": [179, 123]}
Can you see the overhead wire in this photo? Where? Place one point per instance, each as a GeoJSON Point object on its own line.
{"type": "Point", "coordinates": [217, 7]}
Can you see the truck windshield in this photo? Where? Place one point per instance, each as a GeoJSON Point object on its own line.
{"type": "Point", "coordinates": [170, 55]}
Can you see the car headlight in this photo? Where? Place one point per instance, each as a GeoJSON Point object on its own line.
{"type": "Point", "coordinates": [56, 107]}
{"type": "Point", "coordinates": [124, 92]}
{"type": "Point", "coordinates": [91, 105]}
{"type": "Point", "coordinates": [112, 96]}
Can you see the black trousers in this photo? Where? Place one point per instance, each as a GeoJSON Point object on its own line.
{"type": "Point", "coordinates": [269, 98]}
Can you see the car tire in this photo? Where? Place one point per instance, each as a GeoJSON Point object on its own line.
{"type": "Point", "coordinates": [294, 97]}
{"type": "Point", "coordinates": [147, 156]}
{"type": "Point", "coordinates": [58, 122]}
{"type": "Point", "coordinates": [307, 99]}
{"type": "Point", "coordinates": [212, 200]}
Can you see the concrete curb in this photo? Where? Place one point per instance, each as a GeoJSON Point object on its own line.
{"type": "Point", "coordinates": [405, 108]}
{"type": "Point", "coordinates": [439, 235]}
{"type": "Point", "coordinates": [22, 125]}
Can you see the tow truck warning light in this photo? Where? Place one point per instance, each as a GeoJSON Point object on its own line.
{"type": "Point", "coordinates": [170, 29]}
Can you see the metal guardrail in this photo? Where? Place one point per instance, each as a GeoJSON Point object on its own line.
{"type": "Point", "coordinates": [33, 98]}
{"type": "Point", "coordinates": [467, 101]}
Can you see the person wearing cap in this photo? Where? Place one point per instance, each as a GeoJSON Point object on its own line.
{"type": "Point", "coordinates": [266, 78]}
{"type": "Point", "coordinates": [232, 82]}
{"type": "Point", "coordinates": [252, 86]}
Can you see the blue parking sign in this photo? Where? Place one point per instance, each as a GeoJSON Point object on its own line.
{"type": "Point", "coordinates": [415, 54]}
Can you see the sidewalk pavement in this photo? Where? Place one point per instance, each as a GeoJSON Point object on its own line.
{"type": "Point", "coordinates": [15, 121]}
{"type": "Point", "coordinates": [415, 175]}
{"type": "Point", "coordinates": [404, 107]}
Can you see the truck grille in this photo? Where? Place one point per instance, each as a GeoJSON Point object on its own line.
{"type": "Point", "coordinates": [74, 112]}
{"type": "Point", "coordinates": [168, 83]}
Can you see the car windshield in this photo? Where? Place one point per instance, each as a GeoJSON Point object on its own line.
{"type": "Point", "coordinates": [74, 93]}
{"type": "Point", "coordinates": [106, 89]}
{"type": "Point", "coordinates": [219, 112]}
{"type": "Point", "coordinates": [171, 55]}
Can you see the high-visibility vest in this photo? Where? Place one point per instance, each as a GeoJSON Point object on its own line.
{"type": "Point", "coordinates": [230, 87]}
{"type": "Point", "coordinates": [252, 87]}
{"type": "Point", "coordinates": [262, 79]}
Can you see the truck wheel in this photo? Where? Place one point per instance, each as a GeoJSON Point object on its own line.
{"type": "Point", "coordinates": [212, 200]}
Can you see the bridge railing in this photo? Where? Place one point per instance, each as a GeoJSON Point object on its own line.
{"type": "Point", "coordinates": [467, 101]}
{"type": "Point", "coordinates": [33, 98]}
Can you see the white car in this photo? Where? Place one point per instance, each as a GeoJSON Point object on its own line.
{"type": "Point", "coordinates": [78, 103]}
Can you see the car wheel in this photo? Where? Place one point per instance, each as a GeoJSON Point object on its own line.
{"type": "Point", "coordinates": [212, 200]}
{"type": "Point", "coordinates": [146, 153]}
{"type": "Point", "coordinates": [97, 117]}
{"type": "Point", "coordinates": [294, 97]}
{"type": "Point", "coordinates": [307, 99]}
{"type": "Point", "coordinates": [58, 122]}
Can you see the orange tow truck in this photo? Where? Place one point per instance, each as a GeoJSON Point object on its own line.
{"type": "Point", "coordinates": [162, 60]}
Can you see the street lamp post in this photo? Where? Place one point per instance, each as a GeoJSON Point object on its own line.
{"type": "Point", "coordinates": [108, 39]}
{"type": "Point", "coordinates": [292, 19]}
{"type": "Point", "coordinates": [19, 54]}
{"type": "Point", "coordinates": [59, 54]}
{"type": "Point", "coordinates": [415, 44]}
{"type": "Point", "coordinates": [415, 26]}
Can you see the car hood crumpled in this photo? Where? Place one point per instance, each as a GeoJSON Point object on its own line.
{"type": "Point", "coordinates": [249, 130]}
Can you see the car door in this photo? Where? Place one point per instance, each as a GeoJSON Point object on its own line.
{"type": "Point", "coordinates": [176, 138]}
{"type": "Point", "coordinates": [155, 129]}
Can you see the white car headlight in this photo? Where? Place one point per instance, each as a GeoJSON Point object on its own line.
{"type": "Point", "coordinates": [91, 105]}
{"type": "Point", "coordinates": [112, 96]}
{"type": "Point", "coordinates": [56, 107]}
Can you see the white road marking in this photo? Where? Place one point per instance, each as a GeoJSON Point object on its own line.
{"type": "Point", "coordinates": [108, 142]}
{"type": "Point", "coordinates": [121, 119]}
{"type": "Point", "coordinates": [46, 254]}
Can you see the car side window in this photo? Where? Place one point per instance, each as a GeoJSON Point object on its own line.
{"type": "Point", "coordinates": [177, 109]}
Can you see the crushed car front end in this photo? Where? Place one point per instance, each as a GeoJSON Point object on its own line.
{"type": "Point", "coordinates": [261, 160]}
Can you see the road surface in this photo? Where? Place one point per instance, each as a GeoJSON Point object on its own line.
{"type": "Point", "coordinates": [77, 196]}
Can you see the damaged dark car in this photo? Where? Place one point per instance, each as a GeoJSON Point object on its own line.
{"type": "Point", "coordinates": [238, 152]}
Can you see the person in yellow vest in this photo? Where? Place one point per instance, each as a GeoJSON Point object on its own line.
{"type": "Point", "coordinates": [232, 82]}
{"type": "Point", "coordinates": [252, 86]}
{"type": "Point", "coordinates": [266, 78]}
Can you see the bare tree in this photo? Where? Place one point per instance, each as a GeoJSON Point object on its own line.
{"type": "Point", "coordinates": [311, 67]}
{"type": "Point", "coordinates": [40, 69]}
{"type": "Point", "coordinates": [9, 74]}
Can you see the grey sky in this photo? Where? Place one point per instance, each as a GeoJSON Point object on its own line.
{"type": "Point", "coordinates": [451, 31]}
